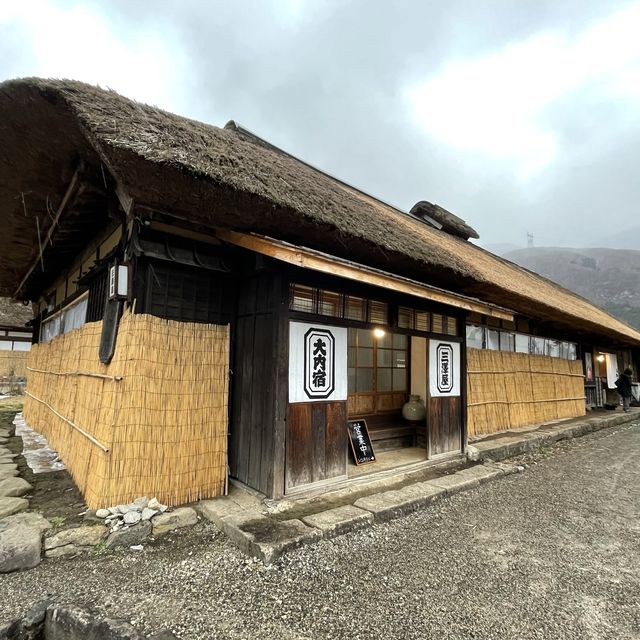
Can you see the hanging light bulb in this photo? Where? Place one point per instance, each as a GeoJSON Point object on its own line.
{"type": "Point", "coordinates": [378, 332]}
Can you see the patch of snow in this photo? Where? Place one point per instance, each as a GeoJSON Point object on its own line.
{"type": "Point", "coordinates": [40, 457]}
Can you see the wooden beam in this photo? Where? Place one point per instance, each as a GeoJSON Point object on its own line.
{"type": "Point", "coordinates": [324, 263]}
{"type": "Point", "coordinates": [73, 188]}
{"type": "Point", "coordinates": [126, 201]}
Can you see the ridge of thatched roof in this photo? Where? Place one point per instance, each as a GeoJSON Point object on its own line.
{"type": "Point", "coordinates": [216, 177]}
{"type": "Point", "coordinates": [445, 219]}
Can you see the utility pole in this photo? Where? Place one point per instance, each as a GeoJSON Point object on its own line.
{"type": "Point", "coordinates": [529, 239]}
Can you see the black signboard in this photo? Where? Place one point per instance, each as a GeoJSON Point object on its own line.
{"type": "Point", "coordinates": [360, 442]}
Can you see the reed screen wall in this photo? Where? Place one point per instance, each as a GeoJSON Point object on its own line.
{"type": "Point", "coordinates": [13, 363]}
{"type": "Point", "coordinates": [506, 390]}
{"type": "Point", "coordinates": [151, 423]}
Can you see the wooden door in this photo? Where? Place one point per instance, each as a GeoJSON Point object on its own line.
{"type": "Point", "coordinates": [445, 425]}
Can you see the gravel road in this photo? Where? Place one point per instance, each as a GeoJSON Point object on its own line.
{"type": "Point", "coordinates": [551, 553]}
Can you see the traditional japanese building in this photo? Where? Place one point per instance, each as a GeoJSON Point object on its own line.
{"type": "Point", "coordinates": [209, 307]}
{"type": "Point", "coordinates": [15, 343]}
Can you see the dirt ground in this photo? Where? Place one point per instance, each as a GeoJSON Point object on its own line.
{"type": "Point", "coordinates": [55, 494]}
{"type": "Point", "coordinates": [548, 554]}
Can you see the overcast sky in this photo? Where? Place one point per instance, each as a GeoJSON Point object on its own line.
{"type": "Point", "coordinates": [519, 115]}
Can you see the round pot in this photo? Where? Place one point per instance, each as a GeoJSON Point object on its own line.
{"type": "Point", "coordinates": [414, 410]}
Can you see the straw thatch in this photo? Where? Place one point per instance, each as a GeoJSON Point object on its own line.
{"type": "Point", "coordinates": [13, 364]}
{"type": "Point", "coordinates": [213, 177]}
{"type": "Point", "coordinates": [507, 390]}
{"type": "Point", "coordinates": [153, 422]}
{"type": "Point", "coordinates": [14, 314]}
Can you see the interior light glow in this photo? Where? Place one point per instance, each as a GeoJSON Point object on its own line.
{"type": "Point", "coordinates": [378, 333]}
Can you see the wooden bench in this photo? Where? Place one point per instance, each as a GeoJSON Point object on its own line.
{"type": "Point", "coordinates": [391, 431]}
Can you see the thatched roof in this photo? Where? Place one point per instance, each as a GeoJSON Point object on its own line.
{"type": "Point", "coordinates": [14, 314]}
{"type": "Point", "coordinates": [213, 177]}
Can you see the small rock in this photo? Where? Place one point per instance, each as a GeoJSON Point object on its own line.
{"type": "Point", "coordinates": [141, 502]}
{"type": "Point", "coordinates": [148, 513]}
{"type": "Point", "coordinates": [14, 487]}
{"type": "Point", "coordinates": [9, 506]}
{"type": "Point", "coordinates": [103, 513]}
{"type": "Point", "coordinates": [113, 511]}
{"type": "Point", "coordinates": [35, 616]}
{"type": "Point", "coordinates": [66, 550]}
{"type": "Point", "coordinates": [27, 519]}
{"type": "Point", "coordinates": [123, 508]}
{"type": "Point", "coordinates": [154, 504]}
{"type": "Point", "coordinates": [20, 548]}
{"type": "Point", "coordinates": [136, 547]}
{"type": "Point", "coordinates": [86, 537]}
{"type": "Point", "coordinates": [132, 517]}
{"type": "Point", "coordinates": [90, 517]}
{"type": "Point", "coordinates": [129, 537]}
{"type": "Point", "coordinates": [182, 517]}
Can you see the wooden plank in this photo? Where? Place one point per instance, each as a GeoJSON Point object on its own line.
{"type": "Point", "coordinates": [445, 425]}
{"type": "Point", "coordinates": [242, 398]}
{"type": "Point", "coordinates": [276, 477]}
{"type": "Point", "coordinates": [264, 400]}
{"type": "Point", "coordinates": [336, 440]}
{"type": "Point", "coordinates": [298, 456]}
{"type": "Point", "coordinates": [318, 439]}
{"type": "Point", "coordinates": [261, 392]}
{"type": "Point", "coordinates": [309, 259]}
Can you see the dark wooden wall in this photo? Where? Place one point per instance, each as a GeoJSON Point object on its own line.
{"type": "Point", "coordinates": [259, 378]}
{"type": "Point", "coordinates": [445, 425]}
{"type": "Point", "coordinates": [316, 442]}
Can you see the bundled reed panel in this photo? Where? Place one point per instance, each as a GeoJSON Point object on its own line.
{"type": "Point", "coordinates": [507, 390]}
{"type": "Point", "coordinates": [13, 363]}
{"type": "Point", "coordinates": [153, 422]}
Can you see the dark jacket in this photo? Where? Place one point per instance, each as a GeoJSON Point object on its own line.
{"type": "Point", "coordinates": [623, 384]}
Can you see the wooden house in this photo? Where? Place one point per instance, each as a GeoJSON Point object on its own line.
{"type": "Point", "coordinates": [210, 307]}
{"type": "Point", "coordinates": [15, 343]}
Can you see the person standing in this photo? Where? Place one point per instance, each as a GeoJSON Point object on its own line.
{"type": "Point", "coordinates": [623, 384]}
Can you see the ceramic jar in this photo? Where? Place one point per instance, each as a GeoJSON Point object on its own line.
{"type": "Point", "coordinates": [414, 410]}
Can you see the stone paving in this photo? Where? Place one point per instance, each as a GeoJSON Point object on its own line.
{"type": "Point", "coordinates": [267, 538]}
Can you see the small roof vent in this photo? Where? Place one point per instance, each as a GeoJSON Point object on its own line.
{"type": "Point", "coordinates": [440, 218]}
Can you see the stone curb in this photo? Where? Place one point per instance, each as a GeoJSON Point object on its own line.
{"type": "Point", "coordinates": [341, 520]}
{"type": "Point", "coordinates": [530, 442]}
{"type": "Point", "coordinates": [261, 537]}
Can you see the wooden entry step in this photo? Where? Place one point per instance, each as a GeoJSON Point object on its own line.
{"type": "Point", "coordinates": [394, 436]}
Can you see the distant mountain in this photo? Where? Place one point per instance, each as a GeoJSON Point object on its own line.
{"type": "Point", "coordinates": [609, 278]}
{"type": "Point", "coordinates": [626, 239]}
{"type": "Point", "coordinates": [500, 248]}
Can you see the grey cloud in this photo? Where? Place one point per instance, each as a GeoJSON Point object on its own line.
{"type": "Point", "coordinates": [328, 86]}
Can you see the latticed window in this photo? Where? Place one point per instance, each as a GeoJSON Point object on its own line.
{"type": "Point", "coordinates": [377, 370]}
{"type": "Point", "coordinates": [337, 305]}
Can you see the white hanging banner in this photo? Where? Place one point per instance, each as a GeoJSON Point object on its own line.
{"type": "Point", "coordinates": [317, 363]}
{"type": "Point", "coordinates": [612, 369]}
{"type": "Point", "coordinates": [444, 368]}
